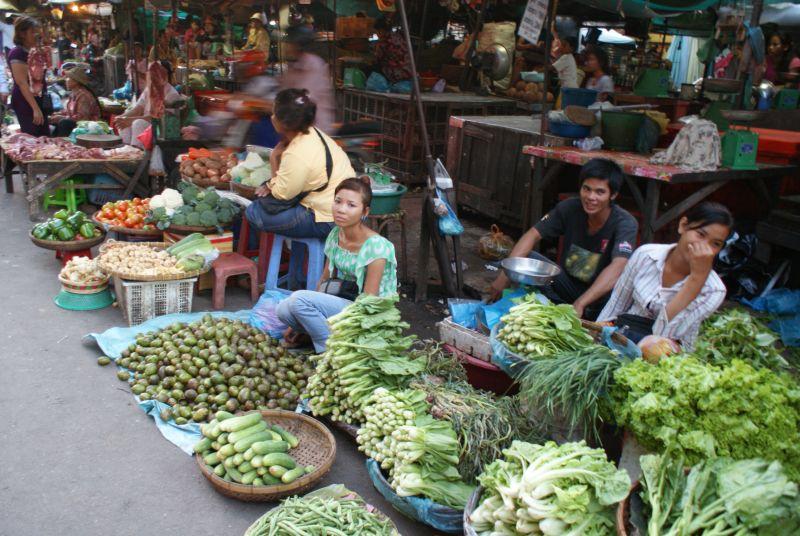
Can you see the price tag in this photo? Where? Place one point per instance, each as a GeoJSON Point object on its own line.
{"type": "Point", "coordinates": [532, 21]}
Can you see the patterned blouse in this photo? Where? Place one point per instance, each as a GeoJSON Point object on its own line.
{"type": "Point", "coordinates": [353, 266]}
{"type": "Point", "coordinates": [82, 106]}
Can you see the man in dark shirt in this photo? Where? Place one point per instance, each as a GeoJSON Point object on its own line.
{"type": "Point", "coordinates": [598, 238]}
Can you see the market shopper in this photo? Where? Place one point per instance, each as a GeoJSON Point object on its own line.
{"type": "Point", "coordinates": [598, 239]}
{"type": "Point", "coordinates": [26, 102]}
{"type": "Point", "coordinates": [563, 59]}
{"type": "Point", "coordinates": [307, 166]}
{"type": "Point", "coordinates": [669, 289]}
{"type": "Point", "coordinates": [596, 67]}
{"type": "Point", "coordinates": [158, 92]}
{"type": "Point", "coordinates": [354, 253]}
{"type": "Point", "coordinates": [81, 106]}
{"type": "Point", "coordinates": [257, 36]}
{"type": "Point", "coordinates": [391, 53]}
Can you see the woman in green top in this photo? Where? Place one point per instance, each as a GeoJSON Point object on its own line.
{"type": "Point", "coordinates": [353, 252]}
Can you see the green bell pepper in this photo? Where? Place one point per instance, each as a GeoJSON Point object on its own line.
{"type": "Point", "coordinates": [65, 234]}
{"type": "Point", "coordinates": [62, 214]}
{"type": "Point", "coordinates": [55, 224]}
{"type": "Point", "coordinates": [87, 229]}
{"type": "Point", "coordinates": [40, 231]}
{"type": "Point", "coordinates": [75, 220]}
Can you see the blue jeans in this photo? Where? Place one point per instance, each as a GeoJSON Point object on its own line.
{"type": "Point", "coordinates": [296, 222]}
{"type": "Point", "coordinates": [307, 311]}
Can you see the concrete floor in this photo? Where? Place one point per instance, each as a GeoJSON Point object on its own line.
{"type": "Point", "coordinates": [80, 457]}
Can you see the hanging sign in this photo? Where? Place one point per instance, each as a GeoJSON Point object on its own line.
{"type": "Point", "coordinates": [533, 20]}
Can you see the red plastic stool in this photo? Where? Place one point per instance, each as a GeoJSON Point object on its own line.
{"type": "Point", "coordinates": [226, 265]}
{"type": "Point", "coordinates": [263, 251]}
{"type": "Point", "coordinates": [66, 256]}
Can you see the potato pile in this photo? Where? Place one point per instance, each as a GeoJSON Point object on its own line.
{"type": "Point", "coordinates": [208, 165]}
{"type": "Point", "coordinates": [528, 92]}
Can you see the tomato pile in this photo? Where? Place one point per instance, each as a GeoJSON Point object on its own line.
{"type": "Point", "coordinates": [129, 213]}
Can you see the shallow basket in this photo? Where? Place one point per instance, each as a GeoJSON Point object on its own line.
{"type": "Point", "coordinates": [189, 229]}
{"type": "Point", "coordinates": [83, 288]}
{"type": "Point", "coordinates": [205, 183]}
{"type": "Point", "coordinates": [317, 447]}
{"type": "Point", "coordinates": [248, 192]}
{"type": "Point", "coordinates": [153, 233]}
{"type": "Point", "coordinates": [71, 245]}
{"type": "Point", "coordinates": [129, 276]}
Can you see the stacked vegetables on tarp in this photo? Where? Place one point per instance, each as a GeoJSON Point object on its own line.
{"type": "Point", "coordinates": [366, 350]}
{"type": "Point", "coordinates": [550, 489]}
{"type": "Point", "coordinates": [717, 496]}
{"type": "Point", "coordinates": [66, 226]}
{"type": "Point", "coordinates": [200, 208]}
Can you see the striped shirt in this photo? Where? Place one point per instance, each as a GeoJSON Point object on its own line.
{"type": "Point", "coordinates": [639, 292]}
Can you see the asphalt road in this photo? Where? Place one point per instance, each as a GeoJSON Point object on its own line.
{"type": "Point", "coordinates": [80, 458]}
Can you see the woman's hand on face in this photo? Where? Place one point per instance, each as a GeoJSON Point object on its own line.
{"type": "Point", "coordinates": [701, 258]}
{"type": "Point", "coordinates": [263, 191]}
{"type": "Point", "coordinates": [38, 116]}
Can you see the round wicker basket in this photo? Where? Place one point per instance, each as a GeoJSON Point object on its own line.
{"type": "Point", "coordinates": [152, 233]}
{"type": "Point", "coordinates": [205, 183]}
{"type": "Point", "coordinates": [317, 447]}
{"type": "Point", "coordinates": [84, 288]}
{"type": "Point", "coordinates": [248, 192]}
{"type": "Point", "coordinates": [71, 245]}
{"type": "Point", "coordinates": [130, 276]}
{"type": "Point", "coordinates": [189, 229]}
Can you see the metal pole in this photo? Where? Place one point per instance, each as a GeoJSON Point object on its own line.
{"type": "Point", "coordinates": [755, 16]}
{"type": "Point", "coordinates": [131, 41]}
{"type": "Point", "coordinates": [548, 43]}
{"type": "Point", "coordinates": [465, 78]}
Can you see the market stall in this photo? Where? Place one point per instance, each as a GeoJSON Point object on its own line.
{"type": "Point", "coordinates": [548, 162]}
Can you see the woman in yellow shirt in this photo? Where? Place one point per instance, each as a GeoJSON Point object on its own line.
{"type": "Point", "coordinates": [307, 166]}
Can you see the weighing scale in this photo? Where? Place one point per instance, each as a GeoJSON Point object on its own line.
{"type": "Point", "coordinates": [740, 147]}
{"type": "Point", "coordinates": [653, 83]}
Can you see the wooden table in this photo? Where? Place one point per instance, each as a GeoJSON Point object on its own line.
{"type": "Point", "coordinates": [43, 176]}
{"type": "Point", "coordinates": [638, 169]}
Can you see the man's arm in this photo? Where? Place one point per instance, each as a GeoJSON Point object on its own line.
{"type": "Point", "coordinates": [602, 285]}
{"type": "Point", "coordinates": [521, 249]}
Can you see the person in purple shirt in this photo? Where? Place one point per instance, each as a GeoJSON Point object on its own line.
{"type": "Point", "coordinates": [26, 105]}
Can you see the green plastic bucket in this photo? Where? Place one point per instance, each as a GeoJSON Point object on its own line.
{"type": "Point", "coordinates": [620, 130]}
{"type": "Point", "coordinates": [386, 202]}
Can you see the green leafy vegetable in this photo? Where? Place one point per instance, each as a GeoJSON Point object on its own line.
{"type": "Point", "coordinates": [736, 334]}
{"type": "Point", "coordinates": [733, 411]}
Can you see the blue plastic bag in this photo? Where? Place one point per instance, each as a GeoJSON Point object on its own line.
{"type": "Point", "coordinates": [788, 327]}
{"type": "Point", "coordinates": [491, 313]}
{"type": "Point", "coordinates": [780, 301]}
{"type": "Point", "coordinates": [440, 517]}
{"type": "Point", "coordinates": [264, 315]}
{"type": "Point", "coordinates": [403, 86]}
{"type": "Point", "coordinates": [464, 312]}
{"type": "Point", "coordinates": [449, 224]}
{"type": "Point", "coordinates": [378, 82]}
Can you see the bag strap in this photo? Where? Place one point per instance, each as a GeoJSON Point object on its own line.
{"type": "Point", "coordinates": [328, 162]}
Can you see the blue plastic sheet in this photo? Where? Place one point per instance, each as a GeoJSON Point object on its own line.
{"type": "Point", "coordinates": [440, 517]}
{"type": "Point", "coordinates": [264, 315]}
{"type": "Point", "coordinates": [113, 341]}
{"type": "Point", "coordinates": [463, 312]}
{"type": "Point", "coordinates": [785, 304]}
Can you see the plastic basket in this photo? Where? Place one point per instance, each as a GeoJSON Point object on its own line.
{"type": "Point", "coordinates": [84, 302]}
{"type": "Point", "coordinates": [142, 300]}
{"type": "Point", "coordinates": [577, 96]}
{"type": "Point", "coordinates": [100, 197]}
{"type": "Point", "coordinates": [386, 202]}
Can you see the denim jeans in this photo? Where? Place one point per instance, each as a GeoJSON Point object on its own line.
{"type": "Point", "coordinates": [307, 311]}
{"type": "Point", "coordinates": [296, 222]}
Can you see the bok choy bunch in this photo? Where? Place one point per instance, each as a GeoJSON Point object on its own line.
{"type": "Point", "coordinates": [550, 489]}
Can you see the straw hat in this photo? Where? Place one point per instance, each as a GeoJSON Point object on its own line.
{"type": "Point", "coordinates": [79, 76]}
{"type": "Point", "coordinates": [257, 16]}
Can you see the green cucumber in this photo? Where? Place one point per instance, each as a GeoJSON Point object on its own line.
{"type": "Point", "coordinates": [212, 459]}
{"type": "Point", "coordinates": [247, 478]}
{"type": "Point", "coordinates": [262, 471]}
{"type": "Point", "coordinates": [206, 428]}
{"type": "Point", "coordinates": [258, 427]}
{"type": "Point", "coordinates": [227, 477]}
{"type": "Point", "coordinates": [235, 475]}
{"type": "Point", "coordinates": [286, 435]}
{"type": "Point", "coordinates": [266, 447]}
{"type": "Point", "coordinates": [219, 470]}
{"type": "Point", "coordinates": [270, 480]}
{"type": "Point", "coordinates": [244, 444]}
{"type": "Point", "coordinates": [223, 415]}
{"type": "Point", "coordinates": [277, 471]}
{"type": "Point", "coordinates": [279, 458]}
{"type": "Point", "coordinates": [246, 467]}
{"type": "Point", "coordinates": [226, 450]}
{"type": "Point", "coordinates": [215, 445]}
{"type": "Point", "coordinates": [310, 469]}
{"type": "Point", "coordinates": [223, 439]}
{"type": "Point", "coordinates": [249, 454]}
{"type": "Point", "coordinates": [256, 460]}
{"type": "Point", "coordinates": [214, 432]}
{"type": "Point", "coordinates": [258, 482]}
{"type": "Point", "coordinates": [203, 444]}
{"type": "Point", "coordinates": [276, 436]}
{"type": "Point", "coordinates": [240, 423]}
{"type": "Point", "coordinates": [228, 463]}
{"type": "Point", "coordinates": [290, 476]}
{"type": "Point", "coordinates": [238, 460]}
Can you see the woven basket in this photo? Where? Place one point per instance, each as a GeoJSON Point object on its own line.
{"type": "Point", "coordinates": [154, 233]}
{"type": "Point", "coordinates": [205, 183]}
{"type": "Point", "coordinates": [248, 192]}
{"type": "Point", "coordinates": [189, 229]}
{"type": "Point", "coordinates": [110, 270]}
{"type": "Point", "coordinates": [71, 245]}
{"type": "Point", "coordinates": [84, 288]}
{"type": "Point", "coordinates": [317, 447]}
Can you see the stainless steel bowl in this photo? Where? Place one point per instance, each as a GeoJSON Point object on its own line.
{"type": "Point", "coordinates": [530, 272]}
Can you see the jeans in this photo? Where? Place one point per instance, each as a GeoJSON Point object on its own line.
{"type": "Point", "coordinates": [567, 289]}
{"type": "Point", "coordinates": [296, 222]}
{"type": "Point", "coordinates": [307, 311]}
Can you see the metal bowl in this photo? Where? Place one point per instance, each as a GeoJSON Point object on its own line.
{"type": "Point", "coordinates": [530, 272]}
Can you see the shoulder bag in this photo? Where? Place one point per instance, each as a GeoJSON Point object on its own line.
{"type": "Point", "coordinates": [273, 206]}
{"type": "Point", "coordinates": [343, 288]}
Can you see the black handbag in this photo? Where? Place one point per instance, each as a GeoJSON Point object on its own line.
{"type": "Point", "coordinates": [343, 288]}
{"type": "Point", "coordinates": [46, 103]}
{"type": "Point", "coordinates": [273, 206]}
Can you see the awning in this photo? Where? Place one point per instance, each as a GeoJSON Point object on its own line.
{"type": "Point", "coordinates": [649, 9]}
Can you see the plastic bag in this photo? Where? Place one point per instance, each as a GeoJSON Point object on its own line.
{"type": "Point", "coordinates": [449, 224]}
{"type": "Point", "coordinates": [491, 313]}
{"type": "Point", "coordinates": [780, 301]}
{"type": "Point", "coordinates": [156, 162]}
{"type": "Point", "coordinates": [495, 246]}
{"type": "Point", "coordinates": [146, 138]}
{"type": "Point", "coordinates": [377, 82]}
{"type": "Point", "coordinates": [464, 312]}
{"type": "Point", "coordinates": [403, 87]}
{"type": "Point", "coordinates": [264, 315]}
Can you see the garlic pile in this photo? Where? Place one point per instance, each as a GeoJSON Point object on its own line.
{"type": "Point", "coordinates": [83, 270]}
{"type": "Point", "coordinates": [139, 259]}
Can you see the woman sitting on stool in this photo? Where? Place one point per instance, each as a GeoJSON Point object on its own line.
{"type": "Point", "coordinates": [82, 104]}
{"type": "Point", "coordinates": [354, 253]}
{"type": "Point", "coordinates": [307, 166]}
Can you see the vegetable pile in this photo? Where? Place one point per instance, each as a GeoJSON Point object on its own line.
{"type": "Point", "coordinates": [129, 214]}
{"type": "Point", "coordinates": [252, 171]}
{"type": "Point", "coordinates": [330, 511]}
{"type": "Point", "coordinates": [533, 330]}
{"type": "Point", "coordinates": [66, 226]}
{"type": "Point", "coordinates": [247, 450]}
{"type": "Point", "coordinates": [169, 200]}
{"type": "Point", "coordinates": [736, 333]}
{"type": "Point", "coordinates": [84, 271]}
{"type": "Point", "coordinates": [212, 364]}
{"type": "Point", "coordinates": [385, 412]}
{"type": "Point", "coordinates": [139, 259]}
{"type": "Point", "coordinates": [732, 411]}
{"type": "Point", "coordinates": [719, 496]}
{"type": "Point", "coordinates": [207, 165]}
{"type": "Point", "coordinates": [366, 350]}
{"type": "Point", "coordinates": [192, 251]}
{"type": "Point", "coordinates": [550, 489]}
{"type": "Point", "coordinates": [201, 208]}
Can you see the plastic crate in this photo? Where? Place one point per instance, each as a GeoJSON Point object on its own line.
{"type": "Point", "coordinates": [99, 196]}
{"type": "Point", "coordinates": [467, 340]}
{"type": "Point", "coordinates": [142, 300]}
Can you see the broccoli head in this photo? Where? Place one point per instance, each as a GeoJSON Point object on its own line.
{"type": "Point", "coordinates": [202, 207]}
{"type": "Point", "coordinates": [189, 193]}
{"type": "Point", "coordinates": [179, 219]}
{"type": "Point", "coordinates": [159, 213]}
{"type": "Point", "coordinates": [211, 198]}
{"type": "Point", "coordinates": [193, 219]}
{"type": "Point", "coordinates": [225, 215]}
{"type": "Point", "coordinates": [209, 218]}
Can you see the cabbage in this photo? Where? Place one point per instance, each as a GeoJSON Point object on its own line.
{"type": "Point", "coordinates": [253, 161]}
{"type": "Point", "coordinates": [258, 176]}
{"type": "Point", "coordinates": [239, 173]}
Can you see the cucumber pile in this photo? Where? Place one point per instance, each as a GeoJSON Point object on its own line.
{"type": "Point", "coordinates": [210, 365]}
{"type": "Point", "coordinates": [247, 450]}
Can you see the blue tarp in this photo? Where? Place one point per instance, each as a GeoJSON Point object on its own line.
{"type": "Point", "coordinates": [113, 341]}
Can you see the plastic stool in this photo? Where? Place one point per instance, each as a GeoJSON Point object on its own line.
{"type": "Point", "coordinates": [316, 262]}
{"type": "Point", "coordinates": [66, 256]}
{"type": "Point", "coordinates": [226, 265]}
{"type": "Point", "coordinates": [66, 197]}
{"type": "Point", "coordinates": [264, 247]}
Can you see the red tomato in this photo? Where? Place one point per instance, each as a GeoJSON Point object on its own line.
{"type": "Point", "coordinates": [122, 205]}
{"type": "Point", "coordinates": [109, 213]}
{"type": "Point", "coordinates": [136, 201]}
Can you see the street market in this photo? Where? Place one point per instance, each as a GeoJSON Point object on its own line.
{"type": "Point", "coordinates": [402, 267]}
